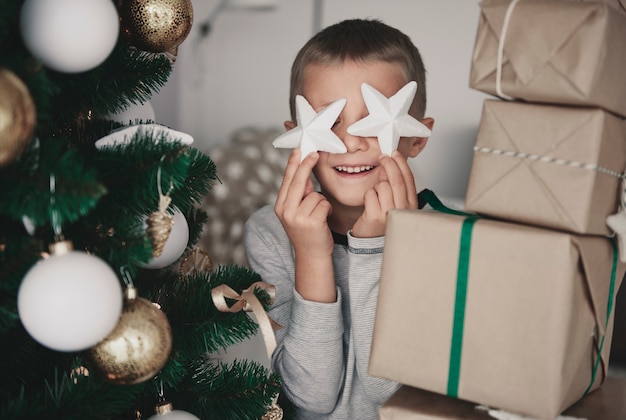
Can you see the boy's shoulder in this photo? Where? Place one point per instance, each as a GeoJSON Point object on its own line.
{"type": "Point", "coordinates": [264, 219]}
{"type": "Point", "coordinates": [263, 226]}
{"type": "Point", "coordinates": [265, 212]}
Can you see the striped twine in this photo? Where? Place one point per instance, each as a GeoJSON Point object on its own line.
{"type": "Point", "coordinates": [548, 159]}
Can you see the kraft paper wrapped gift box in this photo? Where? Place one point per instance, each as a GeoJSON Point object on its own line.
{"type": "Point", "coordinates": [527, 165]}
{"type": "Point", "coordinates": [520, 332]}
{"type": "Point", "coordinates": [408, 403]}
{"type": "Point", "coordinates": [554, 51]}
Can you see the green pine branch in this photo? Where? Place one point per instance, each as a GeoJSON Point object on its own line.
{"type": "Point", "coordinates": [130, 171]}
{"type": "Point", "coordinates": [72, 394]}
{"type": "Point", "coordinates": [128, 76]}
{"type": "Point", "coordinates": [240, 390]}
{"type": "Point", "coordinates": [26, 188]}
{"type": "Point", "coordinates": [196, 219]}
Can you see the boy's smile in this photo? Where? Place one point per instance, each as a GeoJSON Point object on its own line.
{"type": "Point", "coordinates": [354, 170]}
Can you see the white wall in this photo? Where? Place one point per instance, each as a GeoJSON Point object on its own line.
{"type": "Point", "coordinates": [238, 75]}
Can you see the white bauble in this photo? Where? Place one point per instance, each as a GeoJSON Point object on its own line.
{"type": "Point", "coordinates": [166, 411]}
{"type": "Point", "coordinates": [70, 301]}
{"type": "Point", "coordinates": [70, 36]}
{"type": "Point", "coordinates": [174, 415]}
{"type": "Point", "coordinates": [175, 245]}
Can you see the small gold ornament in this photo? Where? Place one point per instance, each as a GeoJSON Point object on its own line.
{"type": "Point", "coordinates": [138, 347]}
{"type": "Point", "coordinates": [274, 413]}
{"type": "Point", "coordinates": [17, 116]}
{"type": "Point", "coordinates": [157, 26]}
{"type": "Point", "coordinates": [160, 225]}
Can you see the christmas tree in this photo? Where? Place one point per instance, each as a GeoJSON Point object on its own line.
{"type": "Point", "coordinates": [106, 307]}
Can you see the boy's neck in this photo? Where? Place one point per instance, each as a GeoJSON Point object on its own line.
{"type": "Point", "coordinates": [342, 219]}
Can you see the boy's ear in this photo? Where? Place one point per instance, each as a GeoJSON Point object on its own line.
{"type": "Point", "coordinates": [417, 144]}
{"type": "Point", "coordinates": [289, 124]}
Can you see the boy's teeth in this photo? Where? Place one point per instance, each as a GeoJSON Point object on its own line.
{"type": "Point", "coordinates": [354, 169]}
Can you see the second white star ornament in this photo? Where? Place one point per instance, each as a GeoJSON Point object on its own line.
{"type": "Point", "coordinates": [389, 118]}
{"type": "Point", "coordinates": [313, 130]}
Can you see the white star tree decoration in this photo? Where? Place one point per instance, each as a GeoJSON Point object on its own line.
{"type": "Point", "coordinates": [313, 130]}
{"type": "Point", "coordinates": [617, 222]}
{"type": "Point", "coordinates": [389, 119]}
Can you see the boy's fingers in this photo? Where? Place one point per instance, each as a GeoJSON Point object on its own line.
{"type": "Point", "coordinates": [407, 176]}
{"type": "Point", "coordinates": [396, 181]}
{"type": "Point", "coordinates": [385, 194]}
{"type": "Point", "coordinates": [309, 188]}
{"type": "Point", "coordinates": [290, 170]}
{"type": "Point", "coordinates": [302, 176]}
{"type": "Point", "coordinates": [397, 173]}
{"type": "Point", "coordinates": [297, 178]}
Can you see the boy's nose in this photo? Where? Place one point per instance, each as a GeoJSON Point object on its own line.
{"type": "Point", "coordinates": [353, 143]}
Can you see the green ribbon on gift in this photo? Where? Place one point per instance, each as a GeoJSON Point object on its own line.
{"type": "Point", "coordinates": [429, 197]}
{"type": "Point", "coordinates": [462, 277]}
{"type": "Point", "coordinates": [609, 309]}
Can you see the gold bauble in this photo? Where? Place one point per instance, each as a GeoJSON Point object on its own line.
{"type": "Point", "coordinates": [156, 26]}
{"type": "Point", "coordinates": [274, 413]}
{"type": "Point", "coordinates": [159, 228]}
{"type": "Point", "coordinates": [138, 347]}
{"type": "Point", "coordinates": [17, 116]}
{"type": "Point", "coordinates": [195, 261]}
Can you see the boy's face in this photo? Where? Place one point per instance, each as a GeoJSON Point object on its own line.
{"type": "Point", "coordinates": [345, 177]}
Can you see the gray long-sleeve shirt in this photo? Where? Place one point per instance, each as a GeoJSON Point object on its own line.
{"type": "Point", "coordinates": [323, 352]}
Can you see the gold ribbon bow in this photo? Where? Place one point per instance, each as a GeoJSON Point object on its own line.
{"type": "Point", "coordinates": [248, 301]}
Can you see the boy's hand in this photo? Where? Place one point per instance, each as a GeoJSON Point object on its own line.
{"type": "Point", "coordinates": [395, 190]}
{"type": "Point", "coordinates": [302, 211]}
{"type": "Point", "coordinates": [303, 214]}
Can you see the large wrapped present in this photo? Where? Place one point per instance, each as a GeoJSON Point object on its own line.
{"type": "Point", "coordinates": [550, 166]}
{"type": "Point", "coordinates": [512, 316]}
{"type": "Point", "coordinates": [408, 403]}
{"type": "Point", "coordinates": [552, 51]}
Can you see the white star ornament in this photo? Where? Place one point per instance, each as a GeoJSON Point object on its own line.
{"type": "Point", "coordinates": [313, 130]}
{"type": "Point", "coordinates": [389, 119]}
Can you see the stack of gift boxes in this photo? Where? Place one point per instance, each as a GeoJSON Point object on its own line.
{"type": "Point", "coordinates": [509, 304]}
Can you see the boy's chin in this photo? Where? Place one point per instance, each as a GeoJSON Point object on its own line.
{"type": "Point", "coordinates": [352, 202]}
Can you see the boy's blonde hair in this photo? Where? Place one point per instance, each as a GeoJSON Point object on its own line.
{"type": "Point", "coordinates": [364, 41]}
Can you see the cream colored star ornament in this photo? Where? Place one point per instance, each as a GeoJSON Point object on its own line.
{"type": "Point", "coordinates": [313, 130]}
{"type": "Point", "coordinates": [389, 119]}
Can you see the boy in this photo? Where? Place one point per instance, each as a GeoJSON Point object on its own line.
{"type": "Point", "coordinates": [323, 250]}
